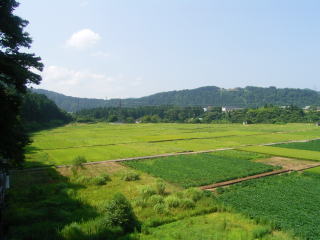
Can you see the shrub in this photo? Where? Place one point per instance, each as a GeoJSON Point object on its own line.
{"type": "Point", "coordinates": [172, 202]}
{"type": "Point", "coordinates": [130, 176]}
{"type": "Point", "coordinates": [140, 202]}
{"type": "Point", "coordinates": [160, 208]}
{"type": "Point", "coordinates": [220, 190]}
{"type": "Point", "coordinates": [147, 191]}
{"type": "Point", "coordinates": [155, 199]}
{"type": "Point", "coordinates": [82, 180]}
{"type": "Point", "coordinates": [160, 187]}
{"type": "Point", "coordinates": [106, 176]}
{"type": "Point", "coordinates": [77, 163]}
{"type": "Point", "coordinates": [72, 232]}
{"type": "Point", "coordinates": [194, 194]}
{"type": "Point", "coordinates": [187, 203]}
{"type": "Point", "coordinates": [120, 213]}
{"type": "Point", "coordinates": [261, 231]}
{"type": "Point", "coordinates": [98, 180]}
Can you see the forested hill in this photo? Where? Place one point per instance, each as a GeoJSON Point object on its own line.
{"type": "Point", "coordinates": [204, 96]}
{"type": "Point", "coordinates": [39, 112]}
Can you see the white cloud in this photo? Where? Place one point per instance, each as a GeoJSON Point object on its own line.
{"type": "Point", "coordinates": [83, 39]}
{"type": "Point", "coordinates": [85, 83]}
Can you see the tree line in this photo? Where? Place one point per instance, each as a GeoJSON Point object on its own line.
{"type": "Point", "coordinates": [174, 114]}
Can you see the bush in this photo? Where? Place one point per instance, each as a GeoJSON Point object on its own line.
{"type": "Point", "coordinates": [172, 202]}
{"type": "Point", "coordinates": [82, 180]}
{"type": "Point", "coordinates": [130, 176]}
{"type": "Point", "coordinates": [98, 180]}
{"type": "Point", "coordinates": [194, 194]}
{"type": "Point", "coordinates": [261, 231]}
{"type": "Point", "coordinates": [140, 202]}
{"type": "Point", "coordinates": [160, 208]}
{"type": "Point", "coordinates": [147, 191]}
{"type": "Point", "coordinates": [72, 232]}
{"type": "Point", "coordinates": [160, 187]}
{"type": "Point", "coordinates": [77, 163]}
{"type": "Point", "coordinates": [187, 203]}
{"type": "Point", "coordinates": [119, 213]}
{"type": "Point", "coordinates": [155, 199]}
{"type": "Point", "coordinates": [105, 176]}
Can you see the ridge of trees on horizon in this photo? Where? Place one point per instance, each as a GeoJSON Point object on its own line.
{"type": "Point", "coordinates": [248, 97]}
{"type": "Point", "coordinates": [174, 114]}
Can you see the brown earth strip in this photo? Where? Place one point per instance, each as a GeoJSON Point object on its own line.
{"type": "Point", "coordinates": [211, 187]}
{"type": "Point", "coordinates": [234, 181]}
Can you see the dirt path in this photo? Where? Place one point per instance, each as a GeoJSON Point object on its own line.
{"type": "Point", "coordinates": [211, 187]}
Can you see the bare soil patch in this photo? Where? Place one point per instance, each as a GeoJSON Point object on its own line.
{"type": "Point", "coordinates": [288, 163]}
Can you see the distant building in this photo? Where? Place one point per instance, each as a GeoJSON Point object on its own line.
{"type": "Point", "coordinates": [230, 109]}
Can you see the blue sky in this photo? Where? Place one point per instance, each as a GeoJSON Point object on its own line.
{"type": "Point", "coordinates": [126, 48]}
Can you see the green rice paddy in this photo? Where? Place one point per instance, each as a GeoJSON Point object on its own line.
{"type": "Point", "coordinates": [103, 141]}
{"type": "Point", "coordinates": [311, 145]}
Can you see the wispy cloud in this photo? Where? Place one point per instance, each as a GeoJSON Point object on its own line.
{"type": "Point", "coordinates": [83, 39]}
{"type": "Point", "coordinates": [85, 83]}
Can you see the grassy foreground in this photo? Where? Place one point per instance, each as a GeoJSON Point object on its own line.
{"type": "Point", "coordinates": [103, 141]}
{"type": "Point", "coordinates": [53, 204]}
{"type": "Point", "coordinates": [216, 226]}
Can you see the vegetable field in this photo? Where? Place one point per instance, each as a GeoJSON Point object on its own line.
{"type": "Point", "coordinates": [202, 169]}
{"type": "Point", "coordinates": [291, 202]}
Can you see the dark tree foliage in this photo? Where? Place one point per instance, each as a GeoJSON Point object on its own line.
{"type": "Point", "coordinates": [154, 114]}
{"type": "Point", "coordinates": [40, 112]}
{"type": "Point", "coordinates": [119, 213]}
{"type": "Point", "coordinates": [15, 74]}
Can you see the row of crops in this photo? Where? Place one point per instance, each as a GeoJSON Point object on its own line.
{"type": "Point", "coordinates": [291, 202]}
{"type": "Point", "coordinates": [202, 169]}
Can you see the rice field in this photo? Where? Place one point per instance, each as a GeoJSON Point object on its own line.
{"type": "Point", "coordinates": [284, 152]}
{"type": "Point", "coordinates": [311, 145]}
{"type": "Point", "coordinates": [104, 141]}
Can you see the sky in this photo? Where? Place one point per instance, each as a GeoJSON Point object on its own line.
{"type": "Point", "coordinates": [125, 48]}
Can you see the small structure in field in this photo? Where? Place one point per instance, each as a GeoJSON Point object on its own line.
{"type": "Point", "coordinates": [230, 109]}
{"type": "Point", "coordinates": [318, 124]}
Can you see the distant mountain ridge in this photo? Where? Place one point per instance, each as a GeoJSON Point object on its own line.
{"type": "Point", "coordinates": [203, 96]}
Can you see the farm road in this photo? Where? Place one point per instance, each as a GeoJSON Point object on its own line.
{"type": "Point", "coordinates": [211, 187]}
